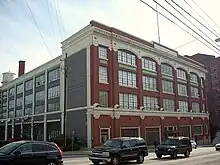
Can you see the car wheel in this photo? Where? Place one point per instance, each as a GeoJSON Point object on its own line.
{"type": "Point", "coordinates": [115, 160]}
{"type": "Point", "coordinates": [187, 153]}
{"type": "Point", "coordinates": [51, 163]}
{"type": "Point", "coordinates": [95, 162]}
{"type": "Point", "coordinates": [174, 155]}
{"type": "Point", "coordinates": [140, 158]}
{"type": "Point", "coordinates": [159, 156]}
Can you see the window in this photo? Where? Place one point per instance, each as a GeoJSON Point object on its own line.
{"type": "Point", "coordinates": [126, 58]}
{"type": "Point", "coordinates": [39, 147]}
{"type": "Point", "coordinates": [181, 74]}
{"type": "Point", "coordinates": [205, 128]}
{"type": "Point", "coordinates": [149, 83]}
{"type": "Point", "coordinates": [148, 64]}
{"type": "Point", "coordinates": [182, 89]}
{"type": "Point", "coordinates": [20, 89]}
{"type": "Point", "coordinates": [11, 114]}
{"type": "Point", "coordinates": [168, 105]}
{"type": "Point", "coordinates": [167, 86]}
{"type": "Point", "coordinates": [166, 69]}
{"type": "Point", "coordinates": [193, 78]}
{"type": "Point", "coordinates": [151, 103]}
{"type": "Point", "coordinates": [29, 99]}
{"type": "Point", "coordinates": [183, 106]}
{"type": "Point", "coordinates": [40, 96]}
{"type": "Point", "coordinates": [103, 98]}
{"type": "Point", "coordinates": [127, 78]}
{"type": "Point", "coordinates": [11, 104]}
{"type": "Point", "coordinates": [53, 107]}
{"type": "Point", "coordinates": [103, 74]}
{"type": "Point", "coordinates": [103, 52]}
{"type": "Point", "coordinates": [29, 85]}
{"type": "Point", "coordinates": [27, 111]}
{"type": "Point", "coordinates": [197, 130]}
{"type": "Point", "coordinates": [19, 102]}
{"type": "Point", "coordinates": [128, 101]}
{"type": "Point", "coordinates": [126, 144]}
{"type": "Point", "coordinates": [195, 107]}
{"type": "Point", "coordinates": [18, 113]}
{"type": "Point", "coordinates": [203, 107]}
{"type": "Point", "coordinates": [25, 148]}
{"type": "Point", "coordinates": [104, 135]}
{"type": "Point", "coordinates": [130, 132]}
{"type": "Point", "coordinates": [39, 109]}
{"type": "Point", "coordinates": [54, 92]}
{"type": "Point", "coordinates": [40, 80]}
{"type": "Point", "coordinates": [194, 92]}
{"type": "Point", "coordinates": [11, 92]}
{"type": "Point", "coordinates": [54, 75]}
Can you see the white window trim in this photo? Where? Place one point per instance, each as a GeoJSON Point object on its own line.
{"type": "Point", "coordinates": [104, 128]}
{"type": "Point", "coordinates": [160, 134]}
{"type": "Point", "coordinates": [139, 130]}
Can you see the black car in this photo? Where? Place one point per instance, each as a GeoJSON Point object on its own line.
{"type": "Point", "coordinates": [118, 150]}
{"type": "Point", "coordinates": [173, 146]}
{"type": "Point", "coordinates": [30, 153]}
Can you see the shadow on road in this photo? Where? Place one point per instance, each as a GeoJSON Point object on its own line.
{"type": "Point", "coordinates": [168, 158]}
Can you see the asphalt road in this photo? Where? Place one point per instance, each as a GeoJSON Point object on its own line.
{"type": "Point", "coordinates": [200, 156]}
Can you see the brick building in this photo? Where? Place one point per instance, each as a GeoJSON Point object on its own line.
{"type": "Point", "coordinates": [118, 85]}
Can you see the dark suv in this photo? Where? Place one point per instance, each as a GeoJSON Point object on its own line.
{"type": "Point", "coordinates": [173, 146]}
{"type": "Point", "coordinates": [30, 153]}
{"type": "Point", "coordinates": [118, 150]}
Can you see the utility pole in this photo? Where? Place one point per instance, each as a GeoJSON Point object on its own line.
{"type": "Point", "coordinates": [65, 100]}
{"type": "Point", "coordinates": [158, 25]}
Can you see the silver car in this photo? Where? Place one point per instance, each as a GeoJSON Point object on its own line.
{"type": "Point", "coordinates": [193, 143]}
{"type": "Point", "coordinates": [217, 146]}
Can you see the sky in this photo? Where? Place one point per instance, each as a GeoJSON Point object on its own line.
{"type": "Point", "coordinates": [32, 30]}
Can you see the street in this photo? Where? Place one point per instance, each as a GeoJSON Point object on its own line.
{"type": "Point", "coordinates": [200, 156]}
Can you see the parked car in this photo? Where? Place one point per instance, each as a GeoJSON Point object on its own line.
{"type": "Point", "coordinates": [174, 146]}
{"type": "Point", "coordinates": [119, 150]}
{"type": "Point", "coordinates": [194, 144]}
{"type": "Point", "coordinates": [30, 152]}
{"type": "Point", "coordinates": [217, 147]}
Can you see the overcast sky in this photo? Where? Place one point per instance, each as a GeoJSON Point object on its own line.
{"type": "Point", "coordinates": [21, 40]}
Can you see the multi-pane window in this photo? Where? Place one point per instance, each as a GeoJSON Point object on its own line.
{"type": "Point", "coordinates": [193, 78]}
{"type": "Point", "coordinates": [11, 104]}
{"type": "Point", "coordinates": [103, 52]}
{"type": "Point", "coordinates": [18, 112]}
{"type": "Point", "coordinates": [197, 130]}
{"type": "Point", "coordinates": [39, 109]}
{"type": "Point", "coordinates": [195, 107]}
{"type": "Point", "coordinates": [103, 98]}
{"type": "Point", "coordinates": [11, 114]}
{"type": "Point", "coordinates": [40, 80]}
{"type": "Point", "coordinates": [182, 89]}
{"type": "Point", "coordinates": [29, 85]}
{"type": "Point", "coordinates": [54, 75]}
{"type": "Point", "coordinates": [148, 64]}
{"type": "Point", "coordinates": [181, 74]}
{"type": "Point", "coordinates": [127, 78]}
{"type": "Point", "coordinates": [11, 92]}
{"type": "Point", "coordinates": [54, 92]}
{"type": "Point", "coordinates": [128, 101]}
{"type": "Point", "coordinates": [19, 89]}
{"type": "Point", "coordinates": [151, 103]}
{"type": "Point", "coordinates": [126, 58]}
{"type": "Point", "coordinates": [183, 106]}
{"type": "Point", "coordinates": [168, 105]}
{"type": "Point", "coordinates": [28, 111]}
{"type": "Point", "coordinates": [194, 92]}
{"type": "Point", "coordinates": [149, 83]}
{"type": "Point", "coordinates": [203, 107]}
{"type": "Point", "coordinates": [103, 74]}
{"type": "Point", "coordinates": [28, 99]}
{"type": "Point", "coordinates": [166, 69]}
{"type": "Point", "coordinates": [40, 96]}
{"type": "Point", "coordinates": [53, 107]}
{"type": "Point", "coordinates": [19, 102]}
{"type": "Point", "coordinates": [167, 86]}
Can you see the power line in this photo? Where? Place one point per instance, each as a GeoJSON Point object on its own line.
{"type": "Point", "coordinates": [185, 24]}
{"type": "Point", "coordinates": [201, 17]}
{"type": "Point", "coordinates": [179, 26]}
{"type": "Point", "coordinates": [194, 18]}
{"type": "Point", "coordinates": [59, 19]}
{"type": "Point", "coordinates": [38, 28]}
{"type": "Point", "coordinates": [185, 44]}
{"type": "Point", "coordinates": [205, 13]}
{"type": "Point", "coordinates": [192, 23]}
{"type": "Point", "coordinates": [50, 17]}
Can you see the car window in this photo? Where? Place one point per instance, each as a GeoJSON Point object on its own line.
{"type": "Point", "coordinates": [39, 147]}
{"type": "Point", "coordinates": [8, 148]}
{"type": "Point", "coordinates": [141, 142]}
{"type": "Point", "coordinates": [25, 148]}
{"type": "Point", "coordinates": [51, 148]}
{"type": "Point", "coordinates": [126, 143]}
{"type": "Point", "coordinates": [116, 143]}
{"type": "Point", "coordinates": [133, 143]}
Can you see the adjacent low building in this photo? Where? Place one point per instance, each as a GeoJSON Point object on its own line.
{"type": "Point", "coordinates": [117, 85]}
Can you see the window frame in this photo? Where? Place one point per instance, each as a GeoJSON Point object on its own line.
{"type": "Point", "coordinates": [100, 134]}
{"type": "Point", "coordinates": [103, 74]}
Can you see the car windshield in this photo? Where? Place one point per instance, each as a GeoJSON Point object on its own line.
{"type": "Point", "coordinates": [170, 142]}
{"type": "Point", "coordinates": [8, 148]}
{"type": "Point", "coordinates": [116, 143]}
